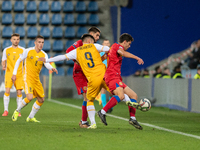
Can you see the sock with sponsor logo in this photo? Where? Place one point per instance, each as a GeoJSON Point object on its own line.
{"type": "Point", "coordinates": [35, 108]}
{"type": "Point", "coordinates": [23, 103]}
{"type": "Point", "coordinates": [91, 112]}
{"type": "Point", "coordinates": [6, 100]}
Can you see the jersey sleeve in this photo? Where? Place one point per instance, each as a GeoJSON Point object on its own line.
{"type": "Point", "coordinates": [71, 55]}
{"type": "Point", "coordinates": [24, 54]}
{"type": "Point", "coordinates": [101, 48]}
{"type": "Point", "coordinates": [4, 57]}
{"type": "Point", "coordinates": [74, 46]}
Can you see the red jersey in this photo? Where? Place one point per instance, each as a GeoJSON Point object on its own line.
{"type": "Point", "coordinates": [114, 61]}
{"type": "Point", "coordinates": [77, 67]}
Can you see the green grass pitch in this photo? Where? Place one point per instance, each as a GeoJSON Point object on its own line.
{"type": "Point", "coordinates": [59, 129]}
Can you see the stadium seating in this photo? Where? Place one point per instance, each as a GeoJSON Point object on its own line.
{"type": "Point", "coordinates": [45, 32]}
{"type": "Point", "coordinates": [80, 6]}
{"type": "Point", "coordinates": [6, 6]}
{"type": "Point", "coordinates": [31, 43]}
{"type": "Point", "coordinates": [58, 46]}
{"type": "Point", "coordinates": [21, 31]}
{"type": "Point", "coordinates": [70, 32]}
{"type": "Point", "coordinates": [57, 32]}
{"type": "Point", "coordinates": [7, 32]}
{"type": "Point", "coordinates": [19, 19]}
{"type": "Point", "coordinates": [31, 19]}
{"type": "Point", "coordinates": [19, 6]}
{"type": "Point", "coordinates": [93, 19]}
{"type": "Point", "coordinates": [70, 62]}
{"type": "Point", "coordinates": [6, 19]}
{"type": "Point", "coordinates": [69, 43]}
{"type": "Point", "coordinates": [43, 6]}
{"type": "Point", "coordinates": [6, 43]}
{"type": "Point", "coordinates": [56, 19]}
{"type": "Point", "coordinates": [81, 31]}
{"type": "Point", "coordinates": [59, 62]}
{"type": "Point", "coordinates": [93, 6]}
{"type": "Point", "coordinates": [68, 6]}
{"type": "Point", "coordinates": [70, 71]}
{"type": "Point", "coordinates": [44, 19]}
{"type": "Point", "coordinates": [22, 43]}
{"type": "Point", "coordinates": [61, 71]}
{"type": "Point", "coordinates": [81, 19]}
{"type": "Point", "coordinates": [46, 46]}
{"type": "Point", "coordinates": [55, 6]}
{"type": "Point", "coordinates": [32, 32]}
{"type": "Point", "coordinates": [69, 19]}
{"type": "Point", "coordinates": [31, 6]}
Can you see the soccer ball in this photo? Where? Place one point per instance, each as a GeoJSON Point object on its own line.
{"type": "Point", "coordinates": [145, 104]}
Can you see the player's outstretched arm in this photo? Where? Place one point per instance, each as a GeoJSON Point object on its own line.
{"type": "Point", "coordinates": [129, 55]}
{"type": "Point", "coordinates": [101, 48]}
{"type": "Point", "coordinates": [3, 63]}
{"type": "Point", "coordinates": [15, 69]}
{"type": "Point", "coordinates": [49, 67]}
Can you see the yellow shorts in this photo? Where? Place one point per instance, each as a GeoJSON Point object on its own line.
{"type": "Point", "coordinates": [18, 83]}
{"type": "Point", "coordinates": [93, 88]}
{"type": "Point", "coordinates": [35, 88]}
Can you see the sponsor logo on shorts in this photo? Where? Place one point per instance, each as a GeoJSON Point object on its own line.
{"type": "Point", "coordinates": [85, 87]}
{"type": "Point", "coordinates": [120, 83]}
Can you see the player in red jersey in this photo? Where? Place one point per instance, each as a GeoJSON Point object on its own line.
{"type": "Point", "coordinates": [79, 78]}
{"type": "Point", "coordinates": [114, 80]}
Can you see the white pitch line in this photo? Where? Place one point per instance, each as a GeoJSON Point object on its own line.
{"type": "Point", "coordinates": [121, 118]}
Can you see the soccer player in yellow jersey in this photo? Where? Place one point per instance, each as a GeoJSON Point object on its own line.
{"type": "Point", "coordinates": [9, 58]}
{"type": "Point", "coordinates": [90, 61]}
{"type": "Point", "coordinates": [32, 85]}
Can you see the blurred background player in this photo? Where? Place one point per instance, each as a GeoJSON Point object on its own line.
{"type": "Point", "coordinates": [113, 79]}
{"type": "Point", "coordinates": [177, 72]}
{"type": "Point", "coordinates": [91, 63]}
{"type": "Point", "coordinates": [137, 73]}
{"type": "Point", "coordinates": [106, 42]}
{"type": "Point", "coordinates": [79, 78]}
{"type": "Point", "coordinates": [145, 73]}
{"type": "Point", "coordinates": [158, 72]}
{"type": "Point", "coordinates": [32, 85]}
{"type": "Point", "coordinates": [9, 58]}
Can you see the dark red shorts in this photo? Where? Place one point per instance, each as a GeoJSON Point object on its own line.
{"type": "Point", "coordinates": [81, 82]}
{"type": "Point", "coordinates": [113, 83]}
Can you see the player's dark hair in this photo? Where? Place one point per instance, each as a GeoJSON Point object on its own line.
{"type": "Point", "coordinates": [15, 34]}
{"type": "Point", "coordinates": [84, 36]}
{"type": "Point", "coordinates": [94, 29]}
{"type": "Point", "coordinates": [39, 37]}
{"type": "Point", "coordinates": [125, 37]}
{"type": "Point", "coordinates": [156, 68]}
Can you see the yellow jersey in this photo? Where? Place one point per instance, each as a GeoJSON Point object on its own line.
{"type": "Point", "coordinates": [32, 66]}
{"type": "Point", "coordinates": [11, 55]}
{"type": "Point", "coordinates": [90, 61]}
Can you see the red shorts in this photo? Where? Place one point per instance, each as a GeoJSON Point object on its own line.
{"type": "Point", "coordinates": [113, 83]}
{"type": "Point", "coordinates": [80, 81]}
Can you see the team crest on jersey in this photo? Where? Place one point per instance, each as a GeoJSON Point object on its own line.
{"type": "Point", "coordinates": [85, 87]}
{"type": "Point", "coordinates": [121, 47]}
{"type": "Point", "coordinates": [8, 54]}
{"type": "Point", "coordinates": [75, 43]}
{"type": "Point", "coordinates": [31, 57]}
{"type": "Point", "coordinates": [120, 83]}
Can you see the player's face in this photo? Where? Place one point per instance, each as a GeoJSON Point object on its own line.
{"type": "Point", "coordinates": [15, 40]}
{"type": "Point", "coordinates": [39, 44]}
{"type": "Point", "coordinates": [106, 43]}
{"type": "Point", "coordinates": [95, 35]}
{"type": "Point", "coordinates": [127, 45]}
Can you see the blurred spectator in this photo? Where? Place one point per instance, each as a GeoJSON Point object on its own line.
{"type": "Point", "coordinates": [158, 73]}
{"type": "Point", "coordinates": [177, 72]}
{"type": "Point", "coordinates": [146, 73]}
{"type": "Point", "coordinates": [197, 76]}
{"type": "Point", "coordinates": [194, 57]}
{"type": "Point", "coordinates": [137, 73]}
{"type": "Point", "coordinates": [166, 73]}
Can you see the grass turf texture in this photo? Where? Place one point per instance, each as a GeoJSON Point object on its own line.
{"type": "Point", "coordinates": [59, 129]}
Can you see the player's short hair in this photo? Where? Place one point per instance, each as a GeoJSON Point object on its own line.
{"type": "Point", "coordinates": [85, 36]}
{"type": "Point", "coordinates": [39, 37]}
{"type": "Point", "coordinates": [15, 34]}
{"type": "Point", "coordinates": [125, 37]}
{"type": "Point", "coordinates": [94, 29]}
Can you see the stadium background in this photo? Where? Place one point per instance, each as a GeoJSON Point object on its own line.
{"type": "Point", "coordinates": [160, 28]}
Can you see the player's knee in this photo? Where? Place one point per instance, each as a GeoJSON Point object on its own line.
{"type": "Point", "coordinates": [19, 92]}
{"type": "Point", "coordinates": [121, 97]}
{"type": "Point", "coordinates": [41, 100]}
{"type": "Point", "coordinates": [29, 97]}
